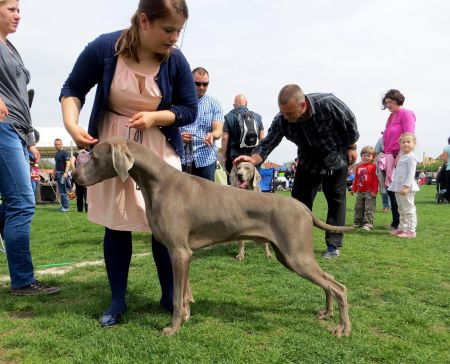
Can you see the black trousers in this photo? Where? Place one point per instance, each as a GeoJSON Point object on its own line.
{"type": "Point", "coordinates": [446, 184]}
{"type": "Point", "coordinates": [305, 187]}
{"type": "Point", "coordinates": [81, 192]}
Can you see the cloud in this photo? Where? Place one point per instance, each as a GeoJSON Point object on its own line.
{"type": "Point", "coordinates": [354, 49]}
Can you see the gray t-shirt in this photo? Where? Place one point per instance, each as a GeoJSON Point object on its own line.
{"type": "Point", "coordinates": [14, 78]}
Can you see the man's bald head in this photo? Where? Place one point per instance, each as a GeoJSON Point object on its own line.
{"type": "Point", "coordinates": [240, 100]}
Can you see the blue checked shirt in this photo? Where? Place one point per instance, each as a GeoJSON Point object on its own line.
{"type": "Point", "coordinates": [209, 110]}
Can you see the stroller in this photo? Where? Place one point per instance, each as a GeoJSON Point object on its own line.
{"type": "Point", "coordinates": [440, 183]}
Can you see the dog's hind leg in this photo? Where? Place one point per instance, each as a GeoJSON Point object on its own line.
{"type": "Point", "coordinates": [310, 270]}
{"type": "Point", "coordinates": [180, 264]}
{"type": "Point", "coordinates": [187, 300]}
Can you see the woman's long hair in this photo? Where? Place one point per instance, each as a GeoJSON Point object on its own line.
{"type": "Point", "coordinates": [128, 43]}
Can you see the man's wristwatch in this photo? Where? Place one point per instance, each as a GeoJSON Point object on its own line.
{"type": "Point", "coordinates": [351, 147]}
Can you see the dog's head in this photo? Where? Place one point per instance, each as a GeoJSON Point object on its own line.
{"type": "Point", "coordinates": [109, 159]}
{"type": "Point", "coordinates": [245, 176]}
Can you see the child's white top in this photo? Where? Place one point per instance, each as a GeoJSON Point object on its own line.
{"type": "Point", "coordinates": [404, 174]}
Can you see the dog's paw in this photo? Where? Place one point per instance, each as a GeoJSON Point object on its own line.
{"type": "Point", "coordinates": [240, 257]}
{"type": "Point", "coordinates": [324, 315]}
{"type": "Point", "coordinates": [168, 331]}
{"type": "Point", "coordinates": [341, 330]}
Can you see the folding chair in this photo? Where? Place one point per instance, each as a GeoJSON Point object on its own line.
{"type": "Point", "coordinates": [266, 183]}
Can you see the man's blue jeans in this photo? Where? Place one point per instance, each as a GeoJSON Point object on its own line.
{"type": "Point", "coordinates": [17, 209]}
{"type": "Point", "coordinates": [206, 172]}
{"type": "Point", "coordinates": [62, 189]}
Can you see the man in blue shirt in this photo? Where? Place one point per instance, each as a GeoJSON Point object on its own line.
{"type": "Point", "coordinates": [60, 173]}
{"type": "Point", "coordinates": [200, 157]}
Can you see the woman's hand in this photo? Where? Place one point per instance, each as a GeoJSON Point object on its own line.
{"type": "Point", "coordinates": [142, 120]}
{"type": "Point", "coordinates": [187, 137]}
{"type": "Point", "coordinates": [81, 137]}
{"type": "Point", "coordinates": [404, 190]}
{"type": "Point", "coordinates": [3, 110]}
{"type": "Point", "coordinates": [33, 150]}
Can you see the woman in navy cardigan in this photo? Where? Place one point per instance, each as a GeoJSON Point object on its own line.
{"type": "Point", "coordinates": [146, 49]}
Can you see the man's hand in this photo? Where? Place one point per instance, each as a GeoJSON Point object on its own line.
{"type": "Point", "coordinates": [352, 156]}
{"type": "Point", "coordinates": [208, 139]}
{"type": "Point", "coordinates": [373, 194]}
{"type": "Point", "coordinates": [244, 158]}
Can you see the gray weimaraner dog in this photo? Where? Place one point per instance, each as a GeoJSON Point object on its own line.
{"type": "Point", "coordinates": [187, 213]}
{"type": "Point", "coordinates": [246, 176]}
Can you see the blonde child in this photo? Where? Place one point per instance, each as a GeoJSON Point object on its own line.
{"type": "Point", "coordinates": [365, 184]}
{"type": "Point", "coordinates": [405, 187]}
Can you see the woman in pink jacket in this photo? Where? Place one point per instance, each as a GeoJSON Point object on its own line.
{"type": "Point", "coordinates": [400, 121]}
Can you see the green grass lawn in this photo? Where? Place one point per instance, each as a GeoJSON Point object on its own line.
{"type": "Point", "coordinates": [253, 311]}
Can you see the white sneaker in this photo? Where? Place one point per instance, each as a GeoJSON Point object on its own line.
{"type": "Point", "coordinates": [366, 228]}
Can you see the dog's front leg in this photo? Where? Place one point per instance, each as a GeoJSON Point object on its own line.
{"type": "Point", "coordinates": [241, 253]}
{"type": "Point", "coordinates": [180, 265]}
{"type": "Point", "coordinates": [267, 251]}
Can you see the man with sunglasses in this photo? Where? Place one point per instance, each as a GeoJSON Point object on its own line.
{"type": "Point", "coordinates": [325, 131]}
{"type": "Point", "coordinates": [200, 155]}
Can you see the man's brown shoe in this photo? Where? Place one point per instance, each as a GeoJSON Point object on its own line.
{"type": "Point", "coordinates": [34, 289]}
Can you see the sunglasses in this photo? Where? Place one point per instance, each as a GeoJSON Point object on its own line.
{"type": "Point", "coordinates": [204, 84]}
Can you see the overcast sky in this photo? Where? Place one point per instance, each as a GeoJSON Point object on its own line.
{"type": "Point", "coordinates": [355, 49]}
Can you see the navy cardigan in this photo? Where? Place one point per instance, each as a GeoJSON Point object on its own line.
{"type": "Point", "coordinates": [96, 66]}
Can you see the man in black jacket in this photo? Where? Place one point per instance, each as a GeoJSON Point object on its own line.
{"type": "Point", "coordinates": [325, 131]}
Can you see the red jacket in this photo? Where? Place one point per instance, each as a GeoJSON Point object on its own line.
{"type": "Point", "coordinates": [366, 179]}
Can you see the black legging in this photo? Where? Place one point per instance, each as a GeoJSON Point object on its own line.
{"type": "Point", "coordinates": [117, 250]}
{"type": "Point", "coordinates": [394, 208]}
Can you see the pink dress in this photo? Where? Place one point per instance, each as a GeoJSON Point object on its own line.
{"type": "Point", "coordinates": [113, 203]}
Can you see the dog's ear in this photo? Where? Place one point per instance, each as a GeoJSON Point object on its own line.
{"type": "Point", "coordinates": [122, 160]}
{"type": "Point", "coordinates": [256, 179]}
{"type": "Point", "coordinates": [232, 175]}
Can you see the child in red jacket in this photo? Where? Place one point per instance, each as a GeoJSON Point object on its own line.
{"type": "Point", "coordinates": [365, 185]}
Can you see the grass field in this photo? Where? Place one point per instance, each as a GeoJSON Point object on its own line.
{"type": "Point", "coordinates": [253, 311]}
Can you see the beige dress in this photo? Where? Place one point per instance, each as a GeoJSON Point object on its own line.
{"type": "Point", "coordinates": [112, 203]}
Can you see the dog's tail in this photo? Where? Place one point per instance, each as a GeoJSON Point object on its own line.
{"type": "Point", "coordinates": [324, 226]}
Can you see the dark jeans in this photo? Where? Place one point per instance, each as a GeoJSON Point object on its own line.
{"type": "Point", "coordinates": [206, 172]}
{"type": "Point", "coordinates": [334, 187]}
{"type": "Point", "coordinates": [62, 184]}
{"type": "Point", "coordinates": [81, 192]}
{"type": "Point", "coordinates": [394, 210]}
